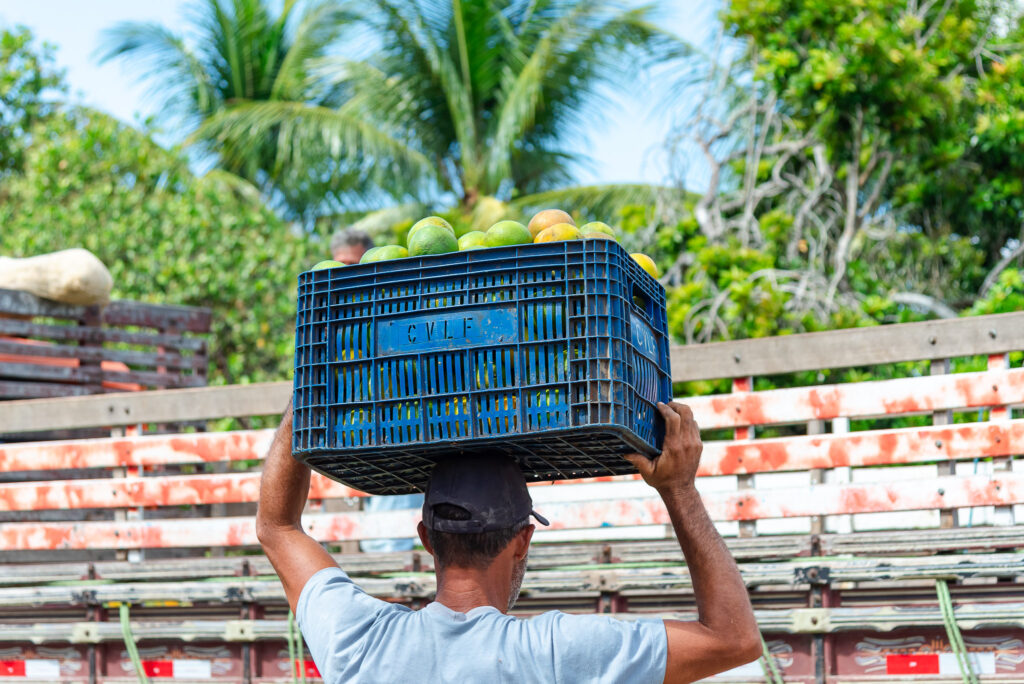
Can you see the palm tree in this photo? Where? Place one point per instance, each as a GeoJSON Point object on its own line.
{"type": "Point", "coordinates": [245, 53]}
{"type": "Point", "coordinates": [484, 95]}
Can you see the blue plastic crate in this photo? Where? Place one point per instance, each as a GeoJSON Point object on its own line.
{"type": "Point", "coordinates": [553, 353]}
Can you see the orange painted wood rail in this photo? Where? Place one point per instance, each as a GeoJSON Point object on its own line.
{"type": "Point", "coordinates": [942, 492]}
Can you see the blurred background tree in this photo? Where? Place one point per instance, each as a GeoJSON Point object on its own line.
{"type": "Point", "coordinates": [30, 84]}
{"type": "Point", "coordinates": [85, 179]}
{"type": "Point", "coordinates": [863, 166]}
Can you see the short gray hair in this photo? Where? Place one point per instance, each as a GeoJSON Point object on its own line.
{"type": "Point", "coordinates": [351, 237]}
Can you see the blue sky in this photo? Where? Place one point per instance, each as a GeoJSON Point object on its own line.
{"type": "Point", "coordinates": [624, 147]}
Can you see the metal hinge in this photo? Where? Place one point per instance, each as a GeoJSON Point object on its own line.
{"type": "Point", "coordinates": [85, 633]}
{"type": "Point", "coordinates": [811, 620]}
{"type": "Point", "coordinates": [239, 630]}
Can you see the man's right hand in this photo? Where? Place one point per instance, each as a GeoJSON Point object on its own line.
{"type": "Point", "coordinates": [676, 467]}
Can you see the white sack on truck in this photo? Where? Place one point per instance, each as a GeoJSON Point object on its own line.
{"type": "Point", "coordinates": [73, 276]}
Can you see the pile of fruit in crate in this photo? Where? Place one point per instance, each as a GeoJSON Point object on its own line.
{"type": "Point", "coordinates": [434, 235]}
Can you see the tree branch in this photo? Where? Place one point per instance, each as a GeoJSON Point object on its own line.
{"type": "Point", "coordinates": [1003, 264]}
{"type": "Point", "coordinates": [935, 306]}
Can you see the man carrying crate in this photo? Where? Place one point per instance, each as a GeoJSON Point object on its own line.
{"type": "Point", "coordinates": [476, 525]}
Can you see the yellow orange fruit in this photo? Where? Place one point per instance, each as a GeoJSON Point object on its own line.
{"type": "Point", "coordinates": [558, 233]}
{"type": "Point", "coordinates": [646, 263]}
{"type": "Point", "coordinates": [547, 218]}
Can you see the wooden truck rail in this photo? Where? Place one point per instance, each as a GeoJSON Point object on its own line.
{"type": "Point", "coordinates": [82, 350]}
{"type": "Point", "coordinates": [848, 540]}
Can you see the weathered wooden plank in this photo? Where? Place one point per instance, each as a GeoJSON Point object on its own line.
{"type": "Point", "coordinates": [27, 304]}
{"type": "Point", "coordinates": [939, 492]}
{"type": "Point", "coordinates": [924, 541]}
{"type": "Point", "coordinates": [977, 335]}
{"type": "Point", "coordinates": [877, 447]}
{"type": "Point", "coordinates": [160, 316]}
{"type": "Point", "coordinates": [126, 356]}
{"type": "Point", "coordinates": [546, 556]}
{"type": "Point", "coordinates": [36, 391]}
{"type": "Point", "coordinates": [162, 490]}
{"type": "Point", "coordinates": [98, 335]}
{"type": "Point", "coordinates": [859, 400]}
{"type": "Point", "coordinates": [536, 582]}
{"type": "Point", "coordinates": [118, 312]}
{"type": "Point", "coordinates": [94, 376]}
{"type": "Point", "coordinates": [960, 492]}
{"type": "Point", "coordinates": [872, 618]}
{"type": "Point", "coordinates": [168, 406]}
{"type": "Point", "coordinates": [196, 448]}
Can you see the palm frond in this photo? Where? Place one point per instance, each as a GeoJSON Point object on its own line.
{"type": "Point", "coordinates": [311, 139]}
{"type": "Point", "coordinates": [320, 27]}
{"type": "Point", "coordinates": [239, 186]}
{"type": "Point", "coordinates": [523, 96]}
{"type": "Point", "coordinates": [180, 80]}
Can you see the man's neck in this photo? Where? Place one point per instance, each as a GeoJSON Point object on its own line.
{"type": "Point", "coordinates": [463, 589]}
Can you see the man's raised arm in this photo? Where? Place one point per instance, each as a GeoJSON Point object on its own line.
{"type": "Point", "coordinates": [725, 634]}
{"type": "Point", "coordinates": [283, 490]}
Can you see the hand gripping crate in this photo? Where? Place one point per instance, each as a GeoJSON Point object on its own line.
{"type": "Point", "coordinates": [553, 353]}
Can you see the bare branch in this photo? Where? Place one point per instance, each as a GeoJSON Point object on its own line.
{"type": "Point", "coordinates": [869, 205]}
{"type": "Point", "coordinates": [1004, 263]}
{"type": "Point", "coordinates": [936, 24]}
{"type": "Point", "coordinates": [923, 301]}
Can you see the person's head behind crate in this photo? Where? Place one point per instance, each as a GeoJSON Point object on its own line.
{"type": "Point", "coordinates": [476, 523]}
{"type": "Point", "coordinates": [349, 245]}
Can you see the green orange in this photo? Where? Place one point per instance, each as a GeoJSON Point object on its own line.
{"type": "Point", "coordinates": [433, 239]}
{"type": "Point", "coordinates": [329, 263]}
{"type": "Point", "coordinates": [505, 233]}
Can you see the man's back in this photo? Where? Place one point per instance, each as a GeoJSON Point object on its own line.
{"type": "Point", "coordinates": [476, 525]}
{"type": "Point", "coordinates": [354, 637]}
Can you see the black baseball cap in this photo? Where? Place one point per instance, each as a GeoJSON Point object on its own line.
{"type": "Point", "coordinates": [491, 489]}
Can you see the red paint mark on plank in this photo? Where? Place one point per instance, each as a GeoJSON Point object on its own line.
{"type": "Point", "coordinates": [912, 664]}
{"type": "Point", "coordinates": [12, 668]}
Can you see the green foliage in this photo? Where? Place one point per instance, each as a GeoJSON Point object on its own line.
{"type": "Point", "coordinates": [29, 81]}
{"type": "Point", "coordinates": [980, 191]}
{"type": "Point", "coordinates": [1005, 296]}
{"type": "Point", "coordinates": [938, 87]}
{"type": "Point", "coordinates": [165, 235]}
{"type": "Point", "coordinates": [829, 60]}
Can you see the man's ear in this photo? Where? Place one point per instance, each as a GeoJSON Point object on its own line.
{"type": "Point", "coordinates": [522, 541]}
{"type": "Point", "coordinates": [421, 530]}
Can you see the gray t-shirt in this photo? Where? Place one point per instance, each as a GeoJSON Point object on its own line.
{"type": "Point", "coordinates": [354, 637]}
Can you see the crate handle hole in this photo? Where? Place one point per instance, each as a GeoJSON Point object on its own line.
{"type": "Point", "coordinates": [643, 302]}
